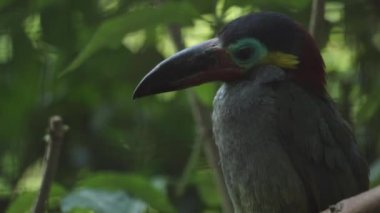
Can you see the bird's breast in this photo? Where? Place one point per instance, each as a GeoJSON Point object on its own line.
{"type": "Point", "coordinates": [258, 172]}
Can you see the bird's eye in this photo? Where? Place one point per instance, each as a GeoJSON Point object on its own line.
{"type": "Point", "coordinates": [247, 52]}
{"type": "Point", "coordinates": [244, 53]}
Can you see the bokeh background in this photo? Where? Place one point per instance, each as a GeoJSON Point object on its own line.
{"type": "Point", "coordinates": [82, 60]}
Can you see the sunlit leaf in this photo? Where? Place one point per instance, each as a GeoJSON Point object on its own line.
{"type": "Point", "coordinates": [165, 43]}
{"type": "Point", "coordinates": [337, 55]}
{"type": "Point", "coordinates": [5, 48]}
{"type": "Point", "coordinates": [199, 32]}
{"type": "Point", "coordinates": [134, 41]}
{"type": "Point", "coordinates": [234, 12]}
{"type": "Point", "coordinates": [334, 11]}
{"type": "Point", "coordinates": [111, 32]}
{"type": "Point", "coordinates": [31, 179]}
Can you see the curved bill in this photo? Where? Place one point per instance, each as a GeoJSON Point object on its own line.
{"type": "Point", "coordinates": [202, 63]}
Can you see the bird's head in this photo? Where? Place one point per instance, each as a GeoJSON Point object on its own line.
{"type": "Point", "coordinates": [241, 47]}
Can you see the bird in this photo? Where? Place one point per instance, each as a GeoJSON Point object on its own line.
{"type": "Point", "coordinates": [282, 143]}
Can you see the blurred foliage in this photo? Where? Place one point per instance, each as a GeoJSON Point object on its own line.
{"type": "Point", "coordinates": [104, 47]}
{"type": "Point", "coordinates": [136, 185]}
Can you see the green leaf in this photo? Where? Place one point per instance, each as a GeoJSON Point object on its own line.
{"type": "Point", "coordinates": [111, 32]}
{"type": "Point", "coordinates": [57, 192]}
{"type": "Point", "coordinates": [31, 178]}
{"type": "Point", "coordinates": [136, 185]}
{"type": "Point", "coordinates": [23, 203]}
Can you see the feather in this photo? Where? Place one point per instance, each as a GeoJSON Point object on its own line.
{"type": "Point", "coordinates": [282, 147]}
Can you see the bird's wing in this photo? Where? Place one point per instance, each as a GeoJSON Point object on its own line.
{"type": "Point", "coordinates": [320, 145]}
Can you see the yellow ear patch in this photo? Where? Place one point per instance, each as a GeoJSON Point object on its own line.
{"type": "Point", "coordinates": [280, 59]}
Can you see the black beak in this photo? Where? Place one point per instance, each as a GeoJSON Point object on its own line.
{"type": "Point", "coordinates": [202, 63]}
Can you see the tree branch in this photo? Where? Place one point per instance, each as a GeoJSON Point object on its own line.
{"type": "Point", "coordinates": [368, 201]}
{"type": "Point", "coordinates": [317, 18]}
{"type": "Point", "coordinates": [201, 115]}
{"type": "Point", "coordinates": [53, 138]}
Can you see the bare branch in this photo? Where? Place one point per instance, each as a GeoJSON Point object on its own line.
{"type": "Point", "coordinates": [54, 138]}
{"type": "Point", "coordinates": [368, 201]}
{"type": "Point", "coordinates": [317, 17]}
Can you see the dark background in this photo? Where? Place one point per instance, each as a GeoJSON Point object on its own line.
{"type": "Point", "coordinates": [122, 155]}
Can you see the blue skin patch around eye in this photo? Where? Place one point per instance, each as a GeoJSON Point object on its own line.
{"type": "Point", "coordinates": [258, 52]}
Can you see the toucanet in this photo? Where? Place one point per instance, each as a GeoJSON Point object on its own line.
{"type": "Point", "coordinates": [283, 145]}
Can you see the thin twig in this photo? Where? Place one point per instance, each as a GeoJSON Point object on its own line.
{"type": "Point", "coordinates": [201, 115]}
{"type": "Point", "coordinates": [53, 138]}
{"type": "Point", "coordinates": [317, 17]}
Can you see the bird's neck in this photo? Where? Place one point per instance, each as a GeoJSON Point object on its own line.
{"type": "Point", "coordinates": [310, 73]}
